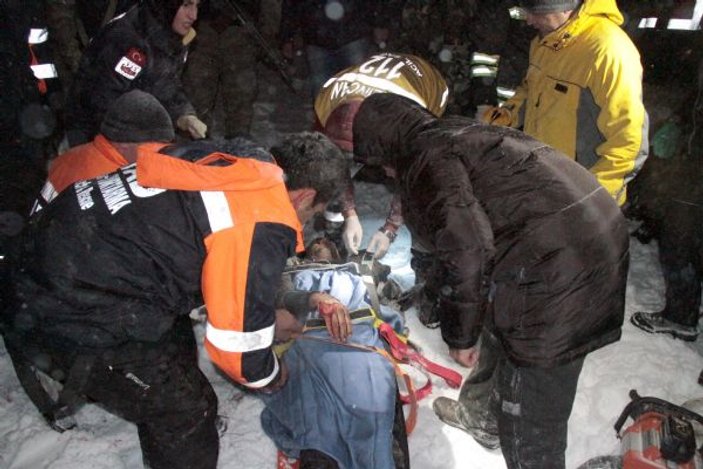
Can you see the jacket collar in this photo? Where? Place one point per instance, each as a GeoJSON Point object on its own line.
{"type": "Point", "coordinates": [589, 9]}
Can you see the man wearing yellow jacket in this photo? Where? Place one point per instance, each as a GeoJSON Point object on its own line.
{"type": "Point", "coordinates": [582, 93]}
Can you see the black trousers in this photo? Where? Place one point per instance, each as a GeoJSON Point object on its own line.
{"type": "Point", "coordinates": [159, 387]}
{"type": "Point", "coordinates": [530, 406]}
{"type": "Point", "coordinates": [681, 257]}
{"type": "Point", "coordinates": [535, 405]}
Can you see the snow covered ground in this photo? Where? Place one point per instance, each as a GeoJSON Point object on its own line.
{"type": "Point", "coordinates": [653, 365]}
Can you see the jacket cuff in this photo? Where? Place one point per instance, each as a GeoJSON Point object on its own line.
{"type": "Point", "coordinates": [297, 302]}
{"type": "Point", "coordinates": [460, 323]}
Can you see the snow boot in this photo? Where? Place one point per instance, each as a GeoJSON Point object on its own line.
{"type": "Point", "coordinates": [657, 323]}
{"type": "Point", "coordinates": [476, 411]}
{"type": "Point", "coordinates": [452, 413]}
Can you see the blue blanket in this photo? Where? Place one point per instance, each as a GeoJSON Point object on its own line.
{"type": "Point", "coordinates": [338, 400]}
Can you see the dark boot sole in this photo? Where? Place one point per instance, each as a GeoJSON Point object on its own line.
{"type": "Point", "coordinates": [677, 335]}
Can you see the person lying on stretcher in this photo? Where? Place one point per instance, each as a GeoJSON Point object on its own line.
{"type": "Point", "coordinates": [340, 406]}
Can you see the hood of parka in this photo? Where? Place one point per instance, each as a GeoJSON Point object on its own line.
{"type": "Point", "coordinates": [588, 12]}
{"type": "Point", "coordinates": [383, 126]}
{"type": "Point", "coordinates": [161, 13]}
{"type": "Point", "coordinates": [163, 10]}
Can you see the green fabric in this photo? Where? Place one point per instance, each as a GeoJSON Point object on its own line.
{"type": "Point", "coordinates": [666, 140]}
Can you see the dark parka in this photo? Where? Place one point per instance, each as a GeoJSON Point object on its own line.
{"type": "Point", "coordinates": [525, 240]}
{"type": "Point", "coordinates": [137, 50]}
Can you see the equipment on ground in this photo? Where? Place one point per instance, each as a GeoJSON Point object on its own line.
{"type": "Point", "coordinates": [662, 435]}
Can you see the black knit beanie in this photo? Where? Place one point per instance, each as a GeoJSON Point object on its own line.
{"type": "Point", "coordinates": [548, 6]}
{"type": "Point", "coordinates": [137, 116]}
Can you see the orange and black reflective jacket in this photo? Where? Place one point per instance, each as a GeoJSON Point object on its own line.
{"type": "Point", "coordinates": [82, 162]}
{"type": "Point", "coordinates": [115, 259]}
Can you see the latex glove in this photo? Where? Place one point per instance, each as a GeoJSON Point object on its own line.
{"type": "Point", "coordinates": [335, 314]}
{"type": "Point", "coordinates": [497, 116]}
{"type": "Point", "coordinates": [194, 126]}
{"type": "Point", "coordinates": [352, 234]}
{"type": "Point", "coordinates": [465, 357]}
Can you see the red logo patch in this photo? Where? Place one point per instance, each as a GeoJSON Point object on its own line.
{"type": "Point", "coordinates": [137, 56]}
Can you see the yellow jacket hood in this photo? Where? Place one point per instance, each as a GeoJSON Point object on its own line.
{"type": "Point", "coordinates": [580, 21]}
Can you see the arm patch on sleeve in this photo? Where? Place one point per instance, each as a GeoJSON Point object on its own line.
{"type": "Point", "coordinates": [131, 64]}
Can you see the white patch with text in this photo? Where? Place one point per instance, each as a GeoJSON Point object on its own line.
{"type": "Point", "coordinates": [127, 68]}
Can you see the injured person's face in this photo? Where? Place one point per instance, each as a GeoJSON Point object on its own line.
{"type": "Point", "coordinates": [322, 250]}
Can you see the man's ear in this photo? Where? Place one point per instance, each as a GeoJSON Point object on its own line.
{"type": "Point", "coordinates": [302, 198]}
{"type": "Point", "coordinates": [303, 201]}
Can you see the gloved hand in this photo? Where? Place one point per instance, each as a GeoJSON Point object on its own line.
{"type": "Point", "coordinates": [381, 241]}
{"type": "Point", "coordinates": [194, 126]}
{"type": "Point", "coordinates": [352, 234]}
{"type": "Point", "coordinates": [496, 115]}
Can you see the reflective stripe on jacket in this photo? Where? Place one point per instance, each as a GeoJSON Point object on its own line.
{"type": "Point", "coordinates": [117, 258]}
{"type": "Point", "coordinates": [82, 162]}
{"type": "Point", "coordinates": [402, 74]}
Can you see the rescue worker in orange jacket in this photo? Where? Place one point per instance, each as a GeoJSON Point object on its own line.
{"type": "Point", "coordinates": [104, 273]}
{"type": "Point", "coordinates": [135, 120]}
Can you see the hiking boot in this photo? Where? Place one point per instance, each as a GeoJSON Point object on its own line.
{"type": "Point", "coordinates": [657, 323]}
{"type": "Point", "coordinates": [452, 413]}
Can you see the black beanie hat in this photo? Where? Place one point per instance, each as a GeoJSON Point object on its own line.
{"type": "Point", "coordinates": [548, 6]}
{"type": "Point", "coordinates": [137, 116]}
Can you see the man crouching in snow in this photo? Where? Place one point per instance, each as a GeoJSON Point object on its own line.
{"type": "Point", "coordinates": [529, 249]}
{"type": "Point", "coordinates": [105, 274]}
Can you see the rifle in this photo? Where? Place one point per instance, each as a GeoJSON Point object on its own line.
{"type": "Point", "coordinates": [273, 54]}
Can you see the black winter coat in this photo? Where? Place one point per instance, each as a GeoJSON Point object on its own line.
{"type": "Point", "coordinates": [525, 240]}
{"type": "Point", "coordinates": [134, 51]}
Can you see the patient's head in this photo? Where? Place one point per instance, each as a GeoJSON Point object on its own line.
{"type": "Point", "coordinates": [322, 250]}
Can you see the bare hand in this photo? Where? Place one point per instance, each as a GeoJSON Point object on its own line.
{"type": "Point", "coordinates": [335, 314]}
{"type": "Point", "coordinates": [465, 357]}
{"type": "Point", "coordinates": [378, 245]}
{"type": "Point", "coordinates": [287, 326]}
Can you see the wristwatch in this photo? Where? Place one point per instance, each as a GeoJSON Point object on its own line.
{"type": "Point", "coordinates": [389, 233]}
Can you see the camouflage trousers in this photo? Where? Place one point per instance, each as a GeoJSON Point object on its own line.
{"type": "Point", "coordinates": [220, 78]}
